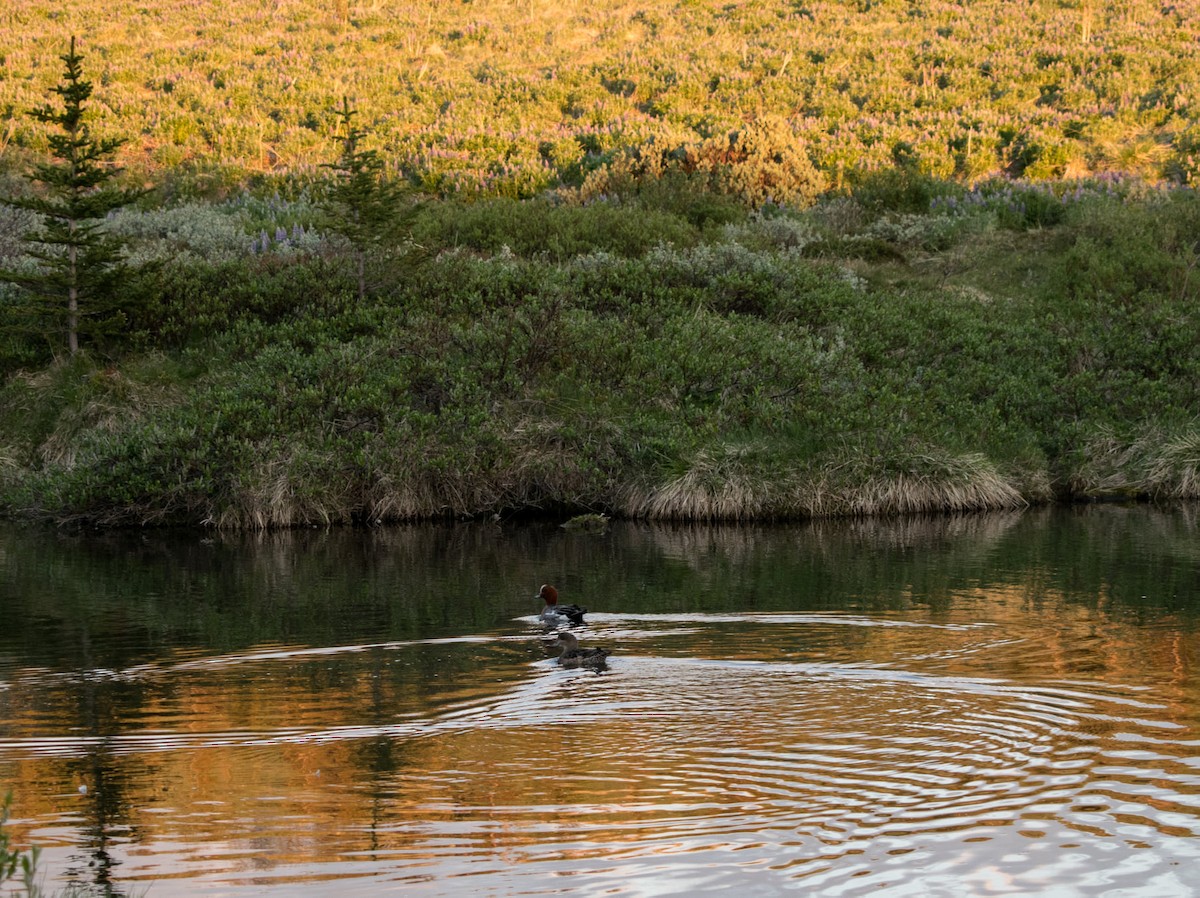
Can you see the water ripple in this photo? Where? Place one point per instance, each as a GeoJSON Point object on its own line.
{"type": "Point", "coordinates": [839, 777]}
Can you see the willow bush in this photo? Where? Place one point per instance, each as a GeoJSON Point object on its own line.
{"type": "Point", "coordinates": [617, 356]}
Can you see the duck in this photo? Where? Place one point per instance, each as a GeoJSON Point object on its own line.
{"type": "Point", "coordinates": [555, 614]}
{"type": "Point", "coordinates": [573, 656]}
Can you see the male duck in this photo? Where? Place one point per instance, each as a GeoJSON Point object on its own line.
{"type": "Point", "coordinates": [556, 614]}
{"type": "Point", "coordinates": [573, 656]}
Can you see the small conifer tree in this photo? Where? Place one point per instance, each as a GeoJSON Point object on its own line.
{"type": "Point", "coordinates": [363, 204]}
{"type": "Point", "coordinates": [80, 266]}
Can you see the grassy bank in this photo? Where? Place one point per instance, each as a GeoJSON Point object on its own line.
{"type": "Point", "coordinates": [915, 347]}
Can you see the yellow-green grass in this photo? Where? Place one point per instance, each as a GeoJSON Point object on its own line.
{"type": "Point", "coordinates": [512, 98]}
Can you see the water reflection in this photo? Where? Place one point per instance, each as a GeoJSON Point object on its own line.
{"type": "Point", "coordinates": [979, 705]}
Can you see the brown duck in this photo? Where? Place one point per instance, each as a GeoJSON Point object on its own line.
{"type": "Point", "coordinates": [573, 656]}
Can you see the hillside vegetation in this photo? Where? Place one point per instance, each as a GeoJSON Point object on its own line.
{"type": "Point", "coordinates": [676, 261]}
{"type": "Point", "coordinates": [511, 98]}
{"type": "Point", "coordinates": [697, 362]}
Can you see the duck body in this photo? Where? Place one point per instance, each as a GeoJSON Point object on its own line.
{"type": "Point", "coordinates": [574, 656]}
{"type": "Point", "coordinates": [555, 614]}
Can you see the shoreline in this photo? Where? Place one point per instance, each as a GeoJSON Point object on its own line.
{"type": "Point", "coordinates": [849, 505]}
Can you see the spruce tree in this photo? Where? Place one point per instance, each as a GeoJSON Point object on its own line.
{"type": "Point", "coordinates": [80, 266]}
{"type": "Point", "coordinates": [363, 204]}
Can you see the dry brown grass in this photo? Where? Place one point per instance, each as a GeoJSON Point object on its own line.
{"type": "Point", "coordinates": [1174, 470]}
{"type": "Point", "coordinates": [714, 488]}
{"type": "Point", "coordinates": [534, 469]}
{"type": "Point", "coordinates": [1107, 467]}
{"type": "Point", "coordinates": [1155, 464]}
{"type": "Point", "coordinates": [272, 501]}
{"type": "Point", "coordinates": [729, 489]}
{"type": "Point", "coordinates": [392, 498]}
{"type": "Point", "coordinates": [99, 401]}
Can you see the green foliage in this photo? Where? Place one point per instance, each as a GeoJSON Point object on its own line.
{"type": "Point", "coordinates": [219, 232]}
{"type": "Point", "coordinates": [758, 368]}
{"type": "Point", "coordinates": [560, 231]}
{"type": "Point", "coordinates": [185, 300]}
{"type": "Point", "coordinates": [638, 296]}
{"type": "Point", "coordinates": [12, 861]}
{"type": "Point", "coordinates": [362, 204]}
{"type": "Point", "coordinates": [80, 267]}
{"type": "Point", "coordinates": [900, 188]}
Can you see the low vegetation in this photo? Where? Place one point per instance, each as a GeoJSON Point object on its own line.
{"type": "Point", "coordinates": [676, 307]}
{"type": "Point", "coordinates": [666, 355]}
{"type": "Point", "coordinates": [494, 97]}
{"type": "Point", "coordinates": [15, 863]}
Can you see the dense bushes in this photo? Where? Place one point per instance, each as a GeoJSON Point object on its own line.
{"type": "Point", "coordinates": [755, 369]}
{"type": "Point", "coordinates": [532, 227]}
{"type": "Point", "coordinates": [763, 162]}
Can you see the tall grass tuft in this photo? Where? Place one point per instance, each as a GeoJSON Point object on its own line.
{"type": "Point", "coordinates": [1156, 464]}
{"type": "Point", "coordinates": [728, 487]}
{"type": "Point", "coordinates": [1174, 471]}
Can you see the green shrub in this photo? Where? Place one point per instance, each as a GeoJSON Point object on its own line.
{"type": "Point", "coordinates": [543, 227]}
{"type": "Point", "coordinates": [695, 374]}
{"type": "Point", "coordinates": [174, 304]}
{"type": "Point", "coordinates": [900, 188]}
{"type": "Point", "coordinates": [12, 861]}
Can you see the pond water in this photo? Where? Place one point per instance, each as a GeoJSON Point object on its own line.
{"type": "Point", "coordinates": [982, 705]}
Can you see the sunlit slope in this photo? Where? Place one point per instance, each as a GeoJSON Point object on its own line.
{"type": "Point", "coordinates": [514, 97]}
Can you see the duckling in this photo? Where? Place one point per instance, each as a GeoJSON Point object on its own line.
{"type": "Point", "coordinates": [555, 614]}
{"type": "Point", "coordinates": [573, 656]}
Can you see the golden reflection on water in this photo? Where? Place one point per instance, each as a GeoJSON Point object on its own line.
{"type": "Point", "coordinates": [1008, 738]}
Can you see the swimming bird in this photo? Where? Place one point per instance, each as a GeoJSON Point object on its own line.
{"type": "Point", "coordinates": [573, 656]}
{"type": "Point", "coordinates": [556, 614]}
